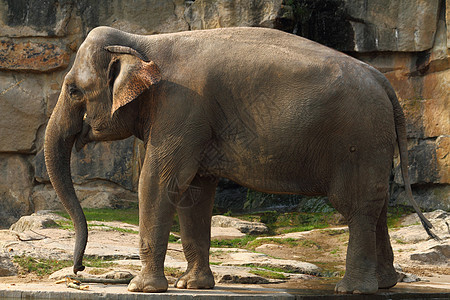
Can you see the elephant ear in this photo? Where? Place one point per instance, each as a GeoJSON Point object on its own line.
{"type": "Point", "coordinates": [129, 75]}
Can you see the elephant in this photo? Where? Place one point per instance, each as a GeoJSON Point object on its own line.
{"type": "Point", "coordinates": [270, 110]}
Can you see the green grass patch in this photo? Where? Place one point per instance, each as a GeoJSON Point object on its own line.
{"type": "Point", "coordinates": [309, 244]}
{"type": "Point", "coordinates": [288, 242]}
{"type": "Point", "coordinates": [297, 222]}
{"type": "Point", "coordinates": [112, 228]}
{"type": "Point", "coordinates": [69, 226]}
{"type": "Point", "coordinates": [40, 267]}
{"type": "Point", "coordinates": [128, 215]}
{"type": "Point", "coordinates": [334, 251]}
{"type": "Point", "coordinates": [95, 262]}
{"type": "Point", "coordinates": [273, 269]}
{"type": "Point", "coordinates": [174, 272]}
{"type": "Point", "coordinates": [396, 214]}
{"type": "Point", "coordinates": [400, 241]}
{"type": "Point", "coordinates": [279, 223]}
{"type": "Point", "coordinates": [234, 243]}
{"type": "Point", "coordinates": [268, 274]}
{"type": "Point", "coordinates": [173, 239]}
{"type": "Point", "coordinates": [44, 267]}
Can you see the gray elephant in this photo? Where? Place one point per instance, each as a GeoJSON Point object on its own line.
{"type": "Point", "coordinates": [269, 110]}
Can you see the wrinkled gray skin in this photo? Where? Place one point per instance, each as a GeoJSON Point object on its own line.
{"type": "Point", "coordinates": [272, 111]}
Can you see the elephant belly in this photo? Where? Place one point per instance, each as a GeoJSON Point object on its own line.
{"type": "Point", "coordinates": [291, 171]}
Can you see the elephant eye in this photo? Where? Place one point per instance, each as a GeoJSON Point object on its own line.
{"type": "Point", "coordinates": [74, 91]}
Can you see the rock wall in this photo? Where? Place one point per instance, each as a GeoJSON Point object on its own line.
{"type": "Point", "coordinates": [405, 39]}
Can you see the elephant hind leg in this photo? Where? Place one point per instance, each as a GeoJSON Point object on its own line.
{"type": "Point", "coordinates": [194, 212]}
{"type": "Point", "coordinates": [386, 274]}
{"type": "Point", "coordinates": [359, 195]}
{"type": "Point", "coordinates": [361, 262]}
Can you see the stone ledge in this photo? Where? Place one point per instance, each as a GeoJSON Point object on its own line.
{"type": "Point", "coordinates": [100, 291]}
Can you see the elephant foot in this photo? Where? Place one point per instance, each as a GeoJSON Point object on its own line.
{"type": "Point", "coordinates": [352, 286]}
{"type": "Point", "coordinates": [196, 279]}
{"type": "Point", "coordinates": [148, 284]}
{"type": "Point", "coordinates": [387, 278]}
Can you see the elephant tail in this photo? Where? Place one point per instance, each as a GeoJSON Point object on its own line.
{"type": "Point", "coordinates": [400, 128]}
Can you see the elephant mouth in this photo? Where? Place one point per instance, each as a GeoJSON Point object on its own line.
{"type": "Point", "coordinates": [83, 137]}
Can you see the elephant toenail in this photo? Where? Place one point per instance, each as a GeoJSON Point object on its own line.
{"type": "Point", "coordinates": [132, 287]}
{"type": "Point", "coordinates": [352, 149]}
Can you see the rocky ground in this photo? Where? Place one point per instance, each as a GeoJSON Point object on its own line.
{"type": "Point", "coordinates": [298, 258]}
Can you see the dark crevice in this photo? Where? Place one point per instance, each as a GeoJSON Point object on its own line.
{"type": "Point", "coordinates": [326, 22]}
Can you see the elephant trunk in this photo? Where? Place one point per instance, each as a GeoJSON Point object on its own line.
{"type": "Point", "coordinates": [57, 149]}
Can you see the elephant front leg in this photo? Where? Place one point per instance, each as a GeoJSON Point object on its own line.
{"type": "Point", "coordinates": [195, 212]}
{"type": "Point", "coordinates": [158, 196]}
{"type": "Point", "coordinates": [155, 220]}
{"type": "Point", "coordinates": [151, 278]}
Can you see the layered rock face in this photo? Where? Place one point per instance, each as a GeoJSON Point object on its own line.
{"type": "Point", "coordinates": [407, 40]}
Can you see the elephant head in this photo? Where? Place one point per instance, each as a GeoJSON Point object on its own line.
{"type": "Point", "coordinates": [108, 74]}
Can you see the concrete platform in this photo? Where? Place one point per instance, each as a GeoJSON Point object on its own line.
{"type": "Point", "coordinates": [306, 292]}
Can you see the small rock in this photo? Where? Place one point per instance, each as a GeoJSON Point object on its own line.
{"type": "Point", "coordinates": [248, 278]}
{"type": "Point", "coordinates": [291, 266]}
{"type": "Point", "coordinates": [243, 226]}
{"type": "Point", "coordinates": [439, 254]}
{"type": "Point", "coordinates": [406, 277]}
{"type": "Point", "coordinates": [236, 275]}
{"type": "Point", "coordinates": [118, 275]}
{"type": "Point", "coordinates": [34, 222]}
{"type": "Point", "coordinates": [7, 268]}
